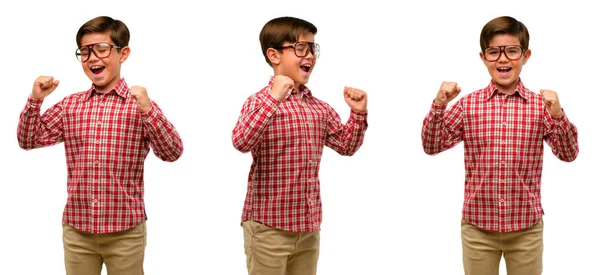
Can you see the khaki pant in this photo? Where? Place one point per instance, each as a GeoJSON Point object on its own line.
{"type": "Point", "coordinates": [270, 251]}
{"type": "Point", "coordinates": [522, 250]}
{"type": "Point", "coordinates": [122, 252]}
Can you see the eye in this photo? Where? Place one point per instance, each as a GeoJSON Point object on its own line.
{"type": "Point", "coordinates": [102, 48]}
{"type": "Point", "coordinates": [493, 51]}
{"type": "Point", "coordinates": [301, 47]}
{"type": "Point", "coordinates": [513, 50]}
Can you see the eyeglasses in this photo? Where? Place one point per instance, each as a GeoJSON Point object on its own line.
{"type": "Point", "coordinates": [301, 49]}
{"type": "Point", "coordinates": [512, 52]}
{"type": "Point", "coordinates": [100, 50]}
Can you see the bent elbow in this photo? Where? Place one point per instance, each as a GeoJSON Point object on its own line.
{"type": "Point", "coordinates": [570, 158]}
{"type": "Point", "coordinates": [430, 151]}
{"type": "Point", "coordinates": [241, 146]}
{"type": "Point", "coordinates": [25, 145]}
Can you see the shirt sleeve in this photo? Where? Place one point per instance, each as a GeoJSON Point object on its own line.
{"type": "Point", "coordinates": [561, 136]}
{"type": "Point", "coordinates": [162, 135]}
{"type": "Point", "coordinates": [442, 129]}
{"type": "Point", "coordinates": [347, 138]}
{"type": "Point", "coordinates": [35, 130]}
{"type": "Point", "coordinates": [254, 118]}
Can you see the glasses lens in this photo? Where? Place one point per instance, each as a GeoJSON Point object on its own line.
{"type": "Point", "coordinates": [102, 50]}
{"type": "Point", "coordinates": [82, 54]}
{"type": "Point", "coordinates": [492, 54]}
{"type": "Point", "coordinates": [316, 50]}
{"type": "Point", "coordinates": [301, 49]}
{"type": "Point", "coordinates": [513, 52]}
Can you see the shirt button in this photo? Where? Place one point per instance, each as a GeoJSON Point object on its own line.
{"type": "Point", "coordinates": [96, 162]}
{"type": "Point", "coordinates": [97, 142]}
{"type": "Point", "coordinates": [503, 142]}
{"type": "Point", "coordinates": [95, 181]}
{"type": "Point", "coordinates": [502, 162]}
{"type": "Point", "coordinates": [99, 123]}
{"type": "Point", "coordinates": [101, 104]}
{"type": "Point", "coordinates": [501, 200]}
{"type": "Point", "coordinates": [95, 201]}
{"type": "Point", "coordinates": [501, 181]}
{"type": "Point", "coordinates": [309, 141]}
{"type": "Point", "coordinates": [504, 123]}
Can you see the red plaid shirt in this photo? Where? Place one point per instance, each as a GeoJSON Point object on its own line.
{"type": "Point", "coordinates": [106, 141]}
{"type": "Point", "coordinates": [286, 139]}
{"type": "Point", "coordinates": [503, 137]}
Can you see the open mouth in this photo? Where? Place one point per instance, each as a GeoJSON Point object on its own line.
{"type": "Point", "coordinates": [97, 69]}
{"type": "Point", "coordinates": [305, 67]}
{"type": "Point", "coordinates": [504, 69]}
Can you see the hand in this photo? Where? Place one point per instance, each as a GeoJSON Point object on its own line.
{"type": "Point", "coordinates": [448, 91]}
{"type": "Point", "coordinates": [281, 86]}
{"type": "Point", "coordinates": [551, 102]}
{"type": "Point", "coordinates": [141, 98]}
{"type": "Point", "coordinates": [43, 86]}
{"type": "Point", "coordinates": [356, 99]}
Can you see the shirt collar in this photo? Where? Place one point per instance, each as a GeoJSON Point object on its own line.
{"type": "Point", "coordinates": [303, 89]}
{"type": "Point", "coordinates": [491, 89]}
{"type": "Point", "coordinates": [120, 89]}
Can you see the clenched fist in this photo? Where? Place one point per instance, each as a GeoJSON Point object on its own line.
{"type": "Point", "coordinates": [141, 98]}
{"type": "Point", "coordinates": [43, 86]}
{"type": "Point", "coordinates": [281, 86]}
{"type": "Point", "coordinates": [448, 91]}
{"type": "Point", "coordinates": [551, 102]}
{"type": "Point", "coordinates": [356, 99]}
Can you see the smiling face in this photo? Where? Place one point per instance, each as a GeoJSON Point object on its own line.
{"type": "Point", "coordinates": [286, 62]}
{"type": "Point", "coordinates": [505, 72]}
{"type": "Point", "coordinates": [104, 72]}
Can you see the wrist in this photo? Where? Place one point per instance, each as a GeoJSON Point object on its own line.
{"type": "Point", "coordinates": [35, 98]}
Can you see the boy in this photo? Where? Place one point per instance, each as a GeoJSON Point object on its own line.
{"type": "Point", "coordinates": [286, 127]}
{"type": "Point", "coordinates": [504, 126]}
{"type": "Point", "coordinates": [108, 131]}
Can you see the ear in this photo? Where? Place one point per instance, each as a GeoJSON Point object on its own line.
{"type": "Point", "coordinates": [124, 54]}
{"type": "Point", "coordinates": [526, 56]}
{"type": "Point", "coordinates": [482, 57]}
{"type": "Point", "coordinates": [274, 56]}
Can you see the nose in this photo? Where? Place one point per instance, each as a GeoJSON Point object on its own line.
{"type": "Point", "coordinates": [93, 57]}
{"type": "Point", "coordinates": [503, 57]}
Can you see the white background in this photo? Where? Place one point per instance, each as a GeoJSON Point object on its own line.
{"type": "Point", "coordinates": [389, 209]}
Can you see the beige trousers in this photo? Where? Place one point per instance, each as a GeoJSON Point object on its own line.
{"type": "Point", "coordinates": [122, 252]}
{"type": "Point", "coordinates": [522, 250]}
{"type": "Point", "coordinates": [271, 251]}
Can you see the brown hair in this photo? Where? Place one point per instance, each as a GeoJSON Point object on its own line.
{"type": "Point", "coordinates": [281, 30]}
{"type": "Point", "coordinates": [504, 25]}
{"type": "Point", "coordinates": [118, 31]}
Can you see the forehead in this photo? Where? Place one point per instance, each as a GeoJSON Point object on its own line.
{"type": "Point", "coordinates": [307, 37]}
{"type": "Point", "coordinates": [92, 38]}
{"type": "Point", "coordinates": [504, 39]}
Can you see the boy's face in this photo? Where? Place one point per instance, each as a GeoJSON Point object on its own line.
{"type": "Point", "coordinates": [289, 64]}
{"type": "Point", "coordinates": [103, 71]}
{"type": "Point", "coordinates": [506, 69]}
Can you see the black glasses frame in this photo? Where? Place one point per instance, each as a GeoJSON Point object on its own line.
{"type": "Point", "coordinates": [314, 48]}
{"type": "Point", "coordinates": [502, 51]}
{"type": "Point", "coordinates": [91, 49]}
